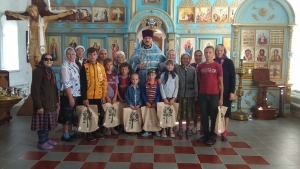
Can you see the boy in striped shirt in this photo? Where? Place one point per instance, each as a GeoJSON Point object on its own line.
{"type": "Point", "coordinates": [150, 94]}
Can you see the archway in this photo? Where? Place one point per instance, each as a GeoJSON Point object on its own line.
{"type": "Point", "coordinates": [167, 27]}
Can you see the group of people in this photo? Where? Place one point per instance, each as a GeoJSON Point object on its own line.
{"type": "Point", "coordinates": [146, 79]}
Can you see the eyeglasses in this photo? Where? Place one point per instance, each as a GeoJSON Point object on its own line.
{"type": "Point", "coordinates": [48, 59]}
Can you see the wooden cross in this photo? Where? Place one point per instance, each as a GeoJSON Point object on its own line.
{"type": "Point", "coordinates": [38, 16]}
{"type": "Point", "coordinates": [43, 10]}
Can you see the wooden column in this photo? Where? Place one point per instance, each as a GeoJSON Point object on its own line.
{"type": "Point", "coordinates": [287, 81]}
{"type": "Point", "coordinates": [132, 8]}
{"type": "Point", "coordinates": [131, 41]}
{"type": "Point", "coordinates": [171, 40]}
{"type": "Point", "coordinates": [171, 8]}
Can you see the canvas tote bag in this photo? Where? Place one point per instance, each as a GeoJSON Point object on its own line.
{"type": "Point", "coordinates": [87, 118]}
{"type": "Point", "coordinates": [150, 120]}
{"type": "Point", "coordinates": [167, 114]}
{"type": "Point", "coordinates": [220, 121]}
{"type": "Point", "coordinates": [132, 120]}
{"type": "Point", "coordinates": [112, 113]}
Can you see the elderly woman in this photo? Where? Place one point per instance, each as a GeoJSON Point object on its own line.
{"type": "Point", "coordinates": [120, 58]}
{"type": "Point", "coordinates": [44, 95]}
{"type": "Point", "coordinates": [228, 81]}
{"type": "Point", "coordinates": [70, 93]}
{"type": "Point", "coordinates": [187, 93]}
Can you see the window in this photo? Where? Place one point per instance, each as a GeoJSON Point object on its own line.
{"type": "Point", "coordinates": [9, 41]}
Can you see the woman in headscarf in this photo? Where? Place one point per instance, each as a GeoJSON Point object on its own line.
{"type": "Point", "coordinates": [228, 81]}
{"type": "Point", "coordinates": [70, 93]}
{"type": "Point", "coordinates": [187, 93]}
{"type": "Point", "coordinates": [120, 58]}
{"type": "Point", "coordinates": [44, 95]}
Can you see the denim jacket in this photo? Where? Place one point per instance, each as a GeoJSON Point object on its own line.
{"type": "Point", "coordinates": [133, 96]}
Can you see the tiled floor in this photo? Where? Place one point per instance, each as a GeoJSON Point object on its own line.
{"type": "Point", "coordinates": [252, 144]}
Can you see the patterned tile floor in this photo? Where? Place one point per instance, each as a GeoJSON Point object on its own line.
{"type": "Point", "coordinates": [252, 144]}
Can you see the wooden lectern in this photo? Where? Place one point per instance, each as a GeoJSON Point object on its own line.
{"type": "Point", "coordinates": [261, 78]}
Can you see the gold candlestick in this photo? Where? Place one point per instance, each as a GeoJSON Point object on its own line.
{"type": "Point", "coordinates": [239, 115]}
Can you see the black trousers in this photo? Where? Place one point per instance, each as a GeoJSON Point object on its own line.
{"type": "Point", "coordinates": [209, 107]}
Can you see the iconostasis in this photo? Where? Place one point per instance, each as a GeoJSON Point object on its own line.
{"type": "Point", "coordinates": [262, 38]}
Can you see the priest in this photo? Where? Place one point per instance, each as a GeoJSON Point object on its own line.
{"type": "Point", "coordinates": [146, 56]}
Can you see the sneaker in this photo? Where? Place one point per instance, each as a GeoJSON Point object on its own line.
{"type": "Point", "coordinates": [172, 135]}
{"type": "Point", "coordinates": [52, 143]}
{"type": "Point", "coordinates": [146, 134]}
{"type": "Point", "coordinates": [70, 139]}
{"type": "Point", "coordinates": [45, 146]}
{"type": "Point", "coordinates": [113, 131]}
{"type": "Point", "coordinates": [180, 132]}
{"type": "Point", "coordinates": [157, 134]}
{"type": "Point", "coordinates": [164, 133]}
{"type": "Point", "coordinates": [188, 132]}
{"type": "Point", "coordinates": [90, 137]}
{"type": "Point", "coordinates": [107, 132]}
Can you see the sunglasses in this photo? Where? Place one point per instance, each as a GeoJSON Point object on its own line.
{"type": "Point", "coordinates": [48, 59]}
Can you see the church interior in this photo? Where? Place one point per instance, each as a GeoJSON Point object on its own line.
{"type": "Point", "coordinates": [260, 39]}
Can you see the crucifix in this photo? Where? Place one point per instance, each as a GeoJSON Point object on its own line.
{"type": "Point", "coordinates": [38, 15]}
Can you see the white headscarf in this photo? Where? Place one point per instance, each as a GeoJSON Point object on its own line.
{"type": "Point", "coordinates": [66, 62]}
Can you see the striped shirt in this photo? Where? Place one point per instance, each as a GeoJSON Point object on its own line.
{"type": "Point", "coordinates": [151, 91]}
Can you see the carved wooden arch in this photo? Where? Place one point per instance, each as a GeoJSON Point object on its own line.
{"type": "Point", "coordinates": [153, 12]}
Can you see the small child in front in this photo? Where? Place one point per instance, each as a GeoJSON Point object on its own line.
{"type": "Point", "coordinates": [169, 89]}
{"type": "Point", "coordinates": [133, 93]}
{"type": "Point", "coordinates": [150, 94]}
{"type": "Point", "coordinates": [210, 75]}
{"type": "Point", "coordinates": [112, 89]}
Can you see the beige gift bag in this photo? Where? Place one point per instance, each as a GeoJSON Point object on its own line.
{"type": "Point", "coordinates": [220, 121]}
{"type": "Point", "coordinates": [112, 113]}
{"type": "Point", "coordinates": [132, 120]}
{"type": "Point", "coordinates": [150, 120]}
{"type": "Point", "coordinates": [121, 108]}
{"type": "Point", "coordinates": [167, 114]}
{"type": "Point", "coordinates": [87, 118]}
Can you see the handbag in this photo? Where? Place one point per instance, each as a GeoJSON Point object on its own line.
{"type": "Point", "coordinates": [150, 120]}
{"type": "Point", "coordinates": [87, 118]}
{"type": "Point", "coordinates": [167, 114]}
{"type": "Point", "coordinates": [220, 120]}
{"type": "Point", "coordinates": [132, 120]}
{"type": "Point", "coordinates": [112, 113]}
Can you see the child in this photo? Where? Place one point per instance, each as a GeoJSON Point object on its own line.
{"type": "Point", "coordinates": [112, 89]}
{"type": "Point", "coordinates": [150, 94]}
{"type": "Point", "coordinates": [187, 94]}
{"type": "Point", "coordinates": [171, 55]}
{"type": "Point", "coordinates": [198, 60]}
{"type": "Point", "coordinates": [124, 81]}
{"type": "Point", "coordinates": [133, 94]}
{"type": "Point", "coordinates": [93, 87]}
{"type": "Point", "coordinates": [169, 89]}
{"type": "Point", "coordinates": [210, 94]}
